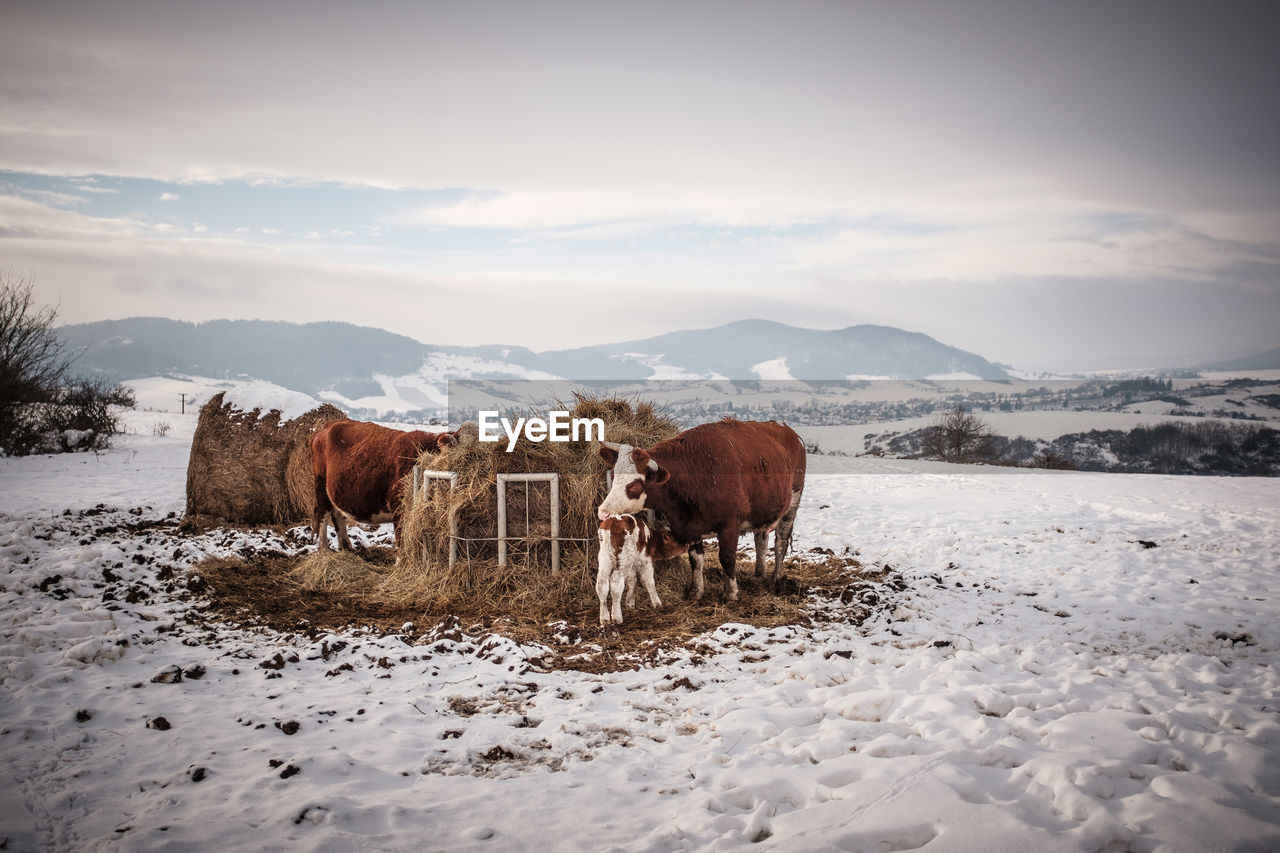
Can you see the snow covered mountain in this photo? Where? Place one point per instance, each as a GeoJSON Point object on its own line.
{"type": "Point", "coordinates": [762, 349]}
{"type": "Point", "coordinates": [372, 368]}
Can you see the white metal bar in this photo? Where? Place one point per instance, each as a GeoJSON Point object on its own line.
{"type": "Point", "coordinates": [555, 522]}
{"type": "Point", "coordinates": [554, 480]}
{"type": "Point", "coordinates": [420, 477]}
{"type": "Point", "coordinates": [502, 519]}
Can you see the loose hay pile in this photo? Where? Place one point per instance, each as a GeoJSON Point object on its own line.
{"type": "Point", "coordinates": [355, 572]}
{"type": "Point", "coordinates": [299, 594]}
{"type": "Point", "coordinates": [249, 468]}
{"type": "Point", "coordinates": [526, 582]}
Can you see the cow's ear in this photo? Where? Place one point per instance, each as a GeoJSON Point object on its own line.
{"type": "Point", "coordinates": [608, 454]}
{"type": "Point", "coordinates": [656, 475]}
{"type": "Point", "coordinates": [446, 439]}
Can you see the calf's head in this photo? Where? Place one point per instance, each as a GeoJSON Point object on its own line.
{"type": "Point", "coordinates": [634, 474]}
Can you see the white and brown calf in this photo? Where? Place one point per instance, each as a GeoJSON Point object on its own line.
{"type": "Point", "coordinates": [628, 549]}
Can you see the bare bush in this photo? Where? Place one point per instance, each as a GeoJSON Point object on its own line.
{"type": "Point", "coordinates": [959, 436]}
{"type": "Point", "coordinates": [42, 410]}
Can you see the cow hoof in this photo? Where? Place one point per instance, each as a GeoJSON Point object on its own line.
{"type": "Point", "coordinates": [609, 631]}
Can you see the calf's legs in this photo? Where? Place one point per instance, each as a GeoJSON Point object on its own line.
{"type": "Point", "coordinates": [609, 582]}
{"type": "Point", "coordinates": [643, 567]}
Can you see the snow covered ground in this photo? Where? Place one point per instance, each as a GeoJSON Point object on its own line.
{"type": "Point", "coordinates": [1046, 425]}
{"type": "Point", "coordinates": [1080, 662]}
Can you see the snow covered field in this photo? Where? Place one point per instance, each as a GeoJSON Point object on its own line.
{"type": "Point", "coordinates": [1080, 662]}
{"type": "Point", "coordinates": [1044, 425]}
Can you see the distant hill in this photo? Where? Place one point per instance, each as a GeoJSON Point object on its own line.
{"type": "Point", "coordinates": [762, 349]}
{"type": "Point", "coordinates": [305, 357]}
{"type": "Point", "coordinates": [364, 367]}
{"type": "Point", "coordinates": [1269, 360]}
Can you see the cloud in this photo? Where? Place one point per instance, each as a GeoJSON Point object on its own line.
{"type": "Point", "coordinates": [976, 232]}
{"type": "Point", "coordinates": [53, 198]}
{"type": "Point", "coordinates": [569, 209]}
{"type": "Point", "coordinates": [1031, 241]}
{"type": "Point", "coordinates": [98, 267]}
{"type": "Point", "coordinates": [168, 196]}
{"type": "Point", "coordinates": [28, 219]}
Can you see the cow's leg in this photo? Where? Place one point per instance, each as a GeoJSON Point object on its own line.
{"type": "Point", "coordinates": [697, 559]}
{"type": "Point", "coordinates": [728, 542]}
{"type": "Point", "coordinates": [617, 583]}
{"type": "Point", "coordinates": [646, 575]}
{"type": "Point", "coordinates": [782, 539]}
{"type": "Point", "coordinates": [629, 578]}
{"type": "Point", "coordinates": [323, 508]}
{"type": "Point", "coordinates": [340, 525]}
{"type": "Point", "coordinates": [604, 569]}
{"type": "Point", "coordinates": [762, 543]}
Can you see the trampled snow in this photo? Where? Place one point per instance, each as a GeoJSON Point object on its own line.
{"type": "Point", "coordinates": [1079, 662]}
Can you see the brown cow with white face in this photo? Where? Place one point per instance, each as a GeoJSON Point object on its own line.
{"type": "Point", "coordinates": [358, 470]}
{"type": "Point", "coordinates": [719, 479]}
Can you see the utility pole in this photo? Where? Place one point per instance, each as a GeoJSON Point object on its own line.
{"type": "Point", "coordinates": [184, 403]}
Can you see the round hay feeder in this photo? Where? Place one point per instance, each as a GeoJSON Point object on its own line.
{"type": "Point", "coordinates": [252, 467]}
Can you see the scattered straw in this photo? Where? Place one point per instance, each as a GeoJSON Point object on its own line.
{"type": "Point", "coordinates": [287, 593]}
{"type": "Point", "coordinates": [328, 571]}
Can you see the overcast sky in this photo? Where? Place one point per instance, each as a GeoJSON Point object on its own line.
{"type": "Point", "coordinates": [1052, 185]}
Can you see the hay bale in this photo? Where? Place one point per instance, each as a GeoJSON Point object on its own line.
{"type": "Point", "coordinates": [424, 574]}
{"type": "Point", "coordinates": [247, 467]}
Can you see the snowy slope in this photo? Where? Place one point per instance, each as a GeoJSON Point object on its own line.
{"type": "Point", "coordinates": [1045, 682]}
{"type": "Point", "coordinates": [1046, 425]}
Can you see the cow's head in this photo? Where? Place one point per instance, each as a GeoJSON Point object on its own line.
{"type": "Point", "coordinates": [445, 439]}
{"type": "Point", "coordinates": [634, 473]}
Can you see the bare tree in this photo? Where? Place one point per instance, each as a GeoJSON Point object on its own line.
{"type": "Point", "coordinates": [32, 356]}
{"type": "Point", "coordinates": [959, 436]}
{"type": "Point", "coordinates": [41, 409]}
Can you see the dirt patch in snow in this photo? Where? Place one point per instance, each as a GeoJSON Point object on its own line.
{"type": "Point", "coordinates": [271, 588]}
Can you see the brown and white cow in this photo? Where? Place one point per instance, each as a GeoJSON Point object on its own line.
{"type": "Point", "coordinates": [358, 470]}
{"type": "Point", "coordinates": [628, 549]}
{"type": "Point", "coordinates": [719, 479]}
